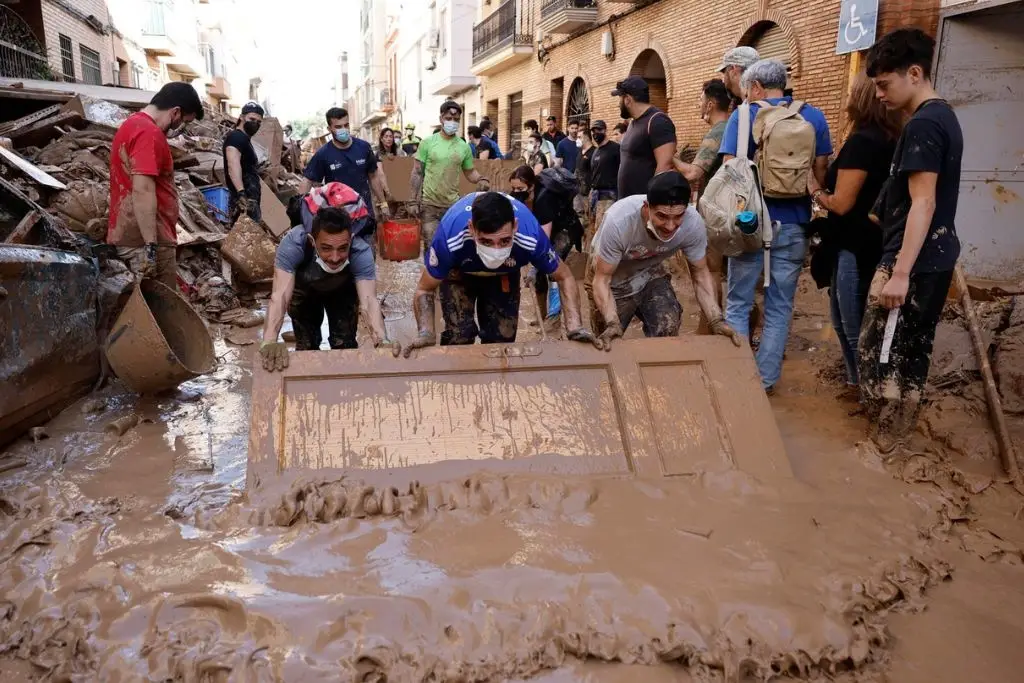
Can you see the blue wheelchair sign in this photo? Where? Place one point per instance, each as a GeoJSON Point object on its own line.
{"type": "Point", "coordinates": [858, 21]}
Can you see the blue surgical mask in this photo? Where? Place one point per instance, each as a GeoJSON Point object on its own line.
{"type": "Point", "coordinates": [450, 127]}
{"type": "Point", "coordinates": [342, 135]}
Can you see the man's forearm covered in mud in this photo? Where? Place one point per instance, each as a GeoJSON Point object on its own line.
{"type": "Point", "coordinates": [416, 186]}
{"type": "Point", "coordinates": [704, 290]}
{"type": "Point", "coordinates": [423, 302]}
{"type": "Point", "coordinates": [571, 317]}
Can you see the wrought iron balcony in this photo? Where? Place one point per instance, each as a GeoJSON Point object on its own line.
{"type": "Point", "coordinates": [507, 32]}
{"type": "Point", "coordinates": [567, 16]}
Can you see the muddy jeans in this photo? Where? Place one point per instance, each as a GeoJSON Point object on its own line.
{"type": "Point", "coordinates": [892, 391]}
{"type": "Point", "coordinates": [491, 299]}
{"type": "Point", "coordinates": [430, 218]}
{"type": "Point", "coordinates": [600, 202]}
{"type": "Point", "coordinates": [307, 310]}
{"type": "Point", "coordinates": [656, 305]}
{"type": "Point", "coordinates": [166, 263]}
{"type": "Point", "coordinates": [848, 296]}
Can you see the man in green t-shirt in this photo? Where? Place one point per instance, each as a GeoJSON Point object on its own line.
{"type": "Point", "coordinates": [435, 172]}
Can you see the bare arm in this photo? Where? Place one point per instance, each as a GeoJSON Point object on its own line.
{"type": "Point", "coordinates": [693, 174]}
{"type": "Point", "coordinates": [570, 297]}
{"type": "Point", "coordinates": [664, 155]}
{"type": "Point", "coordinates": [416, 180]}
{"type": "Point", "coordinates": [603, 273]}
{"type": "Point", "coordinates": [370, 307]}
{"type": "Point", "coordinates": [423, 304]}
{"type": "Point", "coordinates": [704, 289]}
{"type": "Point", "coordinates": [848, 185]}
{"type": "Point", "coordinates": [144, 201]}
{"type": "Point", "coordinates": [379, 185]}
{"type": "Point", "coordinates": [547, 229]}
{"type": "Point", "coordinates": [820, 169]}
{"type": "Point", "coordinates": [922, 209]}
{"type": "Point", "coordinates": [234, 156]}
{"type": "Point", "coordinates": [306, 186]}
{"type": "Point", "coordinates": [280, 298]}
{"type": "Point", "coordinates": [472, 175]}
{"type": "Point", "coordinates": [484, 154]}
{"type": "Point", "coordinates": [726, 157]}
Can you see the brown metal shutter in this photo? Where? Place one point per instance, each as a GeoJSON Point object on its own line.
{"type": "Point", "coordinates": [773, 45]}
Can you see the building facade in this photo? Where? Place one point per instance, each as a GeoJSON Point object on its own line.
{"type": "Point", "coordinates": [564, 57]}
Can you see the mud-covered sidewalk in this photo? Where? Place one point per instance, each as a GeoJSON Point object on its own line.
{"type": "Point", "coordinates": [138, 555]}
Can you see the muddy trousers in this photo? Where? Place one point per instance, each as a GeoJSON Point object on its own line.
{"type": "Point", "coordinates": [892, 391]}
{"type": "Point", "coordinates": [307, 313]}
{"type": "Point", "coordinates": [166, 263]}
{"type": "Point", "coordinates": [562, 244]}
{"type": "Point", "coordinates": [656, 305]}
{"type": "Point", "coordinates": [491, 300]}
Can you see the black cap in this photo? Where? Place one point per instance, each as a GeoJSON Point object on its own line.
{"type": "Point", "coordinates": [252, 108]}
{"type": "Point", "coordinates": [599, 125]}
{"type": "Point", "coordinates": [633, 86]}
{"type": "Point", "coordinates": [552, 118]}
{"type": "Point", "coordinates": [668, 188]}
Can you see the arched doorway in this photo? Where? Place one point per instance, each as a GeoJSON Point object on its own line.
{"type": "Point", "coordinates": [648, 66]}
{"type": "Point", "coordinates": [21, 54]}
{"type": "Point", "coordinates": [577, 109]}
{"type": "Point", "coordinates": [770, 41]}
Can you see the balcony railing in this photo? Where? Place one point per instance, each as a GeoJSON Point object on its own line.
{"type": "Point", "coordinates": [511, 25]}
{"type": "Point", "coordinates": [554, 6]}
{"type": "Point", "coordinates": [17, 62]}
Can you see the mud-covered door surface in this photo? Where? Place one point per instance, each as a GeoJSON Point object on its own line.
{"type": "Point", "coordinates": [652, 407]}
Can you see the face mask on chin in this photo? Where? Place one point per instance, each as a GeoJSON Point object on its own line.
{"type": "Point", "coordinates": [491, 257]}
{"type": "Point", "coordinates": [655, 235]}
{"type": "Point", "coordinates": [326, 268]}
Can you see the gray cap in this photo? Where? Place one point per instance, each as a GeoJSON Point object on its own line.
{"type": "Point", "coordinates": [739, 56]}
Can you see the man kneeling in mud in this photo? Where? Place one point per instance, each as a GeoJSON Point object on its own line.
{"type": "Point", "coordinates": [322, 270]}
{"type": "Point", "coordinates": [626, 275]}
{"type": "Point", "coordinates": [475, 258]}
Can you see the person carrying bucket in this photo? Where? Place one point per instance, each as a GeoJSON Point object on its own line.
{"type": "Point", "coordinates": [323, 266]}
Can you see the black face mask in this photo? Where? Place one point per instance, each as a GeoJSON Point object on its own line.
{"type": "Point", "coordinates": [598, 137]}
{"type": "Point", "coordinates": [522, 195]}
{"type": "Point", "coordinates": [251, 127]}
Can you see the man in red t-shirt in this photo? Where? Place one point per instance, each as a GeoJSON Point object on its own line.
{"type": "Point", "coordinates": [143, 197]}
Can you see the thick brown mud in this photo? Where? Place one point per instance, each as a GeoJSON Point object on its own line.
{"type": "Point", "coordinates": [137, 554]}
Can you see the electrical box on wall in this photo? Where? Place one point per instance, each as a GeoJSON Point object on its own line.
{"type": "Point", "coordinates": [607, 44]}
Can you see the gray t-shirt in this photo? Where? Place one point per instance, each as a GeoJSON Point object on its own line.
{"type": "Point", "coordinates": [292, 250]}
{"type": "Point", "coordinates": [624, 241]}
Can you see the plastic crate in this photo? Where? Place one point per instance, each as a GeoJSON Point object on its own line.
{"type": "Point", "coordinates": [218, 197]}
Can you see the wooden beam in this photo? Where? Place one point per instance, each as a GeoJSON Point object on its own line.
{"type": "Point", "coordinates": [23, 228]}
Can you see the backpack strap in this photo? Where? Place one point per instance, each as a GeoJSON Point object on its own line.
{"type": "Point", "coordinates": [795, 106]}
{"type": "Point", "coordinates": [776, 114]}
{"type": "Point", "coordinates": [651, 120]}
{"type": "Point", "coordinates": [743, 134]}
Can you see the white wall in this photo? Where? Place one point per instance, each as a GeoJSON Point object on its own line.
{"type": "Point", "coordinates": [414, 21]}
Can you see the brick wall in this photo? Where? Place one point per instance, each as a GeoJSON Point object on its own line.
{"type": "Point", "coordinates": [58, 19]}
{"type": "Point", "coordinates": [690, 37]}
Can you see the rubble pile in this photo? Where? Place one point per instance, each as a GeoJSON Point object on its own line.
{"type": "Point", "coordinates": [56, 178]}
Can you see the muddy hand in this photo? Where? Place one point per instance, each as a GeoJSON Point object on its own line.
{"type": "Point", "coordinates": [274, 355]}
{"type": "Point", "coordinates": [413, 209]}
{"type": "Point", "coordinates": [613, 331]}
{"type": "Point", "coordinates": [585, 336]}
{"type": "Point", "coordinates": [720, 327]}
{"type": "Point", "coordinates": [385, 211]}
{"type": "Point", "coordinates": [420, 342]}
{"type": "Point", "coordinates": [484, 185]}
{"type": "Point", "coordinates": [396, 347]}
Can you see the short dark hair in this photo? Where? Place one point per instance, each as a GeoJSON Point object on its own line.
{"type": "Point", "coordinates": [474, 132]}
{"type": "Point", "coordinates": [451, 104]}
{"type": "Point", "coordinates": [335, 113]}
{"type": "Point", "coordinates": [715, 91]}
{"type": "Point", "coordinates": [536, 136]}
{"type": "Point", "coordinates": [332, 220]}
{"type": "Point", "coordinates": [572, 123]}
{"type": "Point", "coordinates": [553, 118]}
{"type": "Point", "coordinates": [899, 50]}
{"type": "Point", "coordinates": [531, 124]}
{"type": "Point", "coordinates": [525, 174]}
{"type": "Point", "coordinates": [485, 124]}
{"type": "Point", "coordinates": [179, 94]}
{"type": "Point", "coordinates": [668, 188]}
{"type": "Point", "coordinates": [621, 127]}
{"type": "Point", "coordinates": [491, 212]}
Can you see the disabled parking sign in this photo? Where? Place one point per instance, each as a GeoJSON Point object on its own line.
{"type": "Point", "coordinates": [858, 20]}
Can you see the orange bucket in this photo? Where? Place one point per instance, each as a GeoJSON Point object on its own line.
{"type": "Point", "coordinates": [399, 240]}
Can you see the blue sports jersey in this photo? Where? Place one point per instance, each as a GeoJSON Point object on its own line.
{"type": "Point", "coordinates": [454, 249]}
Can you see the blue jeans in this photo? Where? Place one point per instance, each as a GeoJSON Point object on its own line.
{"type": "Point", "coordinates": [848, 297]}
{"type": "Point", "coordinates": [787, 260]}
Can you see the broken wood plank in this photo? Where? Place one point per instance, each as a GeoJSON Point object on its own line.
{"type": "Point", "coordinates": [23, 228]}
{"type": "Point", "coordinates": [42, 132]}
{"type": "Point", "coordinates": [275, 215]}
{"type": "Point", "coordinates": [31, 170]}
{"type": "Point", "coordinates": [29, 119]}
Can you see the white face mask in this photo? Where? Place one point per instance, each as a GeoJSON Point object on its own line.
{"type": "Point", "coordinates": [579, 142]}
{"type": "Point", "coordinates": [328, 269]}
{"type": "Point", "coordinates": [450, 127]}
{"type": "Point", "coordinates": [655, 235]}
{"type": "Point", "coordinates": [491, 257]}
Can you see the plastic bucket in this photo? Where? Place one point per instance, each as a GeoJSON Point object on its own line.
{"type": "Point", "coordinates": [218, 198]}
{"type": "Point", "coordinates": [399, 240]}
{"type": "Point", "coordinates": [158, 341]}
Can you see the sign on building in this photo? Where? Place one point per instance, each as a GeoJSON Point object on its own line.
{"type": "Point", "coordinates": [858, 21]}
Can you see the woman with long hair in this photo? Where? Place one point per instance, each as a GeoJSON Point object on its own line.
{"type": "Point", "coordinates": [851, 187]}
{"type": "Point", "coordinates": [387, 145]}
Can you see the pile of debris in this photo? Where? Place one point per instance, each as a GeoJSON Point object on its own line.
{"type": "Point", "coordinates": [55, 188]}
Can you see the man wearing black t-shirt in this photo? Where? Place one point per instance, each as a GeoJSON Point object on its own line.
{"type": "Point", "coordinates": [243, 179]}
{"type": "Point", "coordinates": [604, 177]}
{"type": "Point", "coordinates": [917, 210]}
{"type": "Point", "coordinates": [650, 141]}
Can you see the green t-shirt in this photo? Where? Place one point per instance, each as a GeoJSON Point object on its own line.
{"type": "Point", "coordinates": [444, 160]}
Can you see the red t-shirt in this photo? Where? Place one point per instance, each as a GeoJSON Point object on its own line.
{"type": "Point", "coordinates": [140, 147]}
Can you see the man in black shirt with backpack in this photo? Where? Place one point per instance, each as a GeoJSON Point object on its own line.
{"type": "Point", "coordinates": [917, 212]}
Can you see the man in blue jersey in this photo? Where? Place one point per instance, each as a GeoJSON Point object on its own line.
{"type": "Point", "coordinates": [475, 259]}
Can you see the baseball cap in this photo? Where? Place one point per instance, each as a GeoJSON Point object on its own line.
{"type": "Point", "coordinates": [599, 125]}
{"type": "Point", "coordinates": [552, 118]}
{"type": "Point", "coordinates": [668, 188]}
{"type": "Point", "coordinates": [252, 108]}
{"type": "Point", "coordinates": [739, 56]}
{"type": "Point", "coordinates": [634, 86]}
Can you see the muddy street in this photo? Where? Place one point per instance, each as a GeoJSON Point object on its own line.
{"type": "Point", "coordinates": [140, 556]}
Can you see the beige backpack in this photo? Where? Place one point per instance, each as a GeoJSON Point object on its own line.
{"type": "Point", "coordinates": [785, 149]}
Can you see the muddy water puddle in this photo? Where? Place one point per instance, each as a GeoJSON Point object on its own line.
{"type": "Point", "coordinates": [139, 557]}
